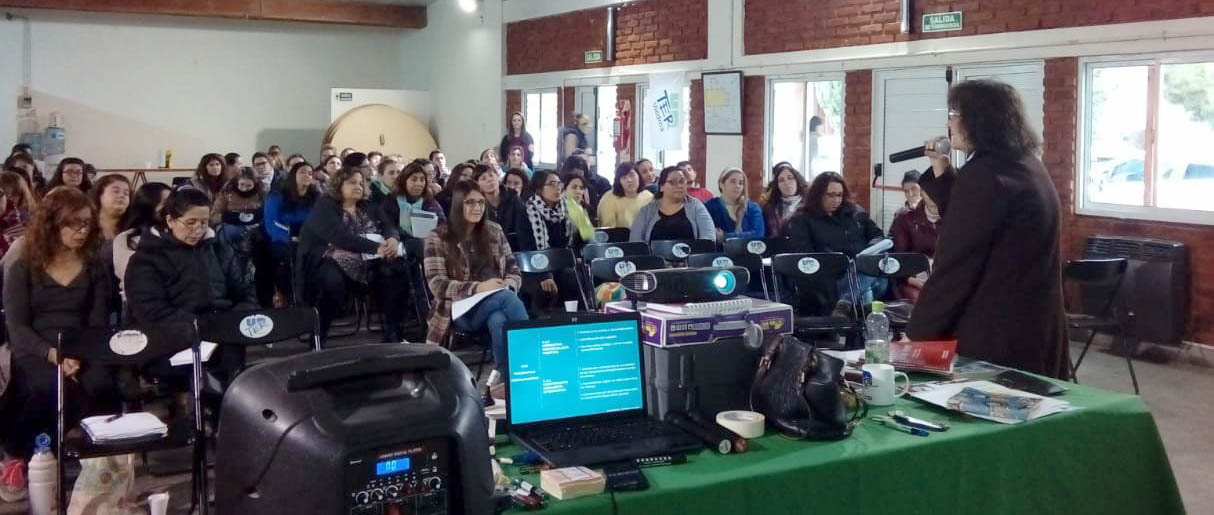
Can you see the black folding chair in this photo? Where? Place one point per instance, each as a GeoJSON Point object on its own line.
{"type": "Point", "coordinates": [415, 257]}
{"type": "Point", "coordinates": [260, 326]}
{"type": "Point", "coordinates": [551, 261]}
{"type": "Point", "coordinates": [762, 247]}
{"type": "Point", "coordinates": [593, 251]}
{"type": "Point", "coordinates": [611, 234]}
{"type": "Point", "coordinates": [753, 264]}
{"type": "Point", "coordinates": [894, 267]}
{"type": "Point", "coordinates": [1100, 280]}
{"type": "Point", "coordinates": [814, 278]}
{"type": "Point", "coordinates": [677, 251]}
{"type": "Point", "coordinates": [135, 347]}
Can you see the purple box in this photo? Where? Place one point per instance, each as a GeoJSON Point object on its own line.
{"type": "Point", "coordinates": [663, 329]}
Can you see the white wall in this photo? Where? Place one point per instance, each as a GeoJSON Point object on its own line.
{"type": "Point", "coordinates": [466, 78]}
{"type": "Point", "coordinates": [131, 86]}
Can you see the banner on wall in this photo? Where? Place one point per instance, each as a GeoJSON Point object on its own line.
{"type": "Point", "coordinates": [664, 111]}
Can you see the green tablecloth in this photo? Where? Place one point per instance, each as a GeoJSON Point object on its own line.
{"type": "Point", "coordinates": [1106, 458]}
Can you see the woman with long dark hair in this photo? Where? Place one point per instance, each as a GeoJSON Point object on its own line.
{"type": "Point", "coordinates": [210, 175]}
{"type": "Point", "coordinates": [503, 206]}
{"type": "Point", "coordinates": [996, 285]}
{"type": "Point", "coordinates": [16, 205]}
{"type": "Point", "coordinates": [674, 215]}
{"type": "Point", "coordinates": [328, 167]}
{"type": "Point", "coordinates": [829, 221]}
{"type": "Point", "coordinates": [410, 194]}
{"type": "Point", "coordinates": [70, 172]}
{"type": "Point", "coordinates": [144, 211]}
{"type": "Point", "coordinates": [783, 198]}
{"type": "Point", "coordinates": [237, 218]}
{"type": "Point", "coordinates": [25, 166]}
{"type": "Point", "coordinates": [516, 179]}
{"type": "Point", "coordinates": [469, 255]}
{"type": "Point", "coordinates": [285, 211]}
{"type": "Point", "coordinates": [556, 218]}
{"type": "Point", "coordinates": [619, 207]}
{"type": "Point", "coordinates": [461, 172]}
{"type": "Point", "coordinates": [517, 136]}
{"type": "Point", "coordinates": [57, 285]}
{"type": "Point", "coordinates": [112, 197]}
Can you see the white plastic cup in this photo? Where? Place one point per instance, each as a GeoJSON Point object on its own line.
{"type": "Point", "coordinates": [571, 306]}
{"type": "Point", "coordinates": [158, 503]}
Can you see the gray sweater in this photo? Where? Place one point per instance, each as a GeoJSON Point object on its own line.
{"type": "Point", "coordinates": [37, 308]}
{"type": "Point", "coordinates": [701, 221]}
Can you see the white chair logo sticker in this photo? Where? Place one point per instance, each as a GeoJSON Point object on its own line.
{"type": "Point", "coordinates": [722, 262]}
{"type": "Point", "coordinates": [624, 268]}
{"type": "Point", "coordinates": [539, 261]}
{"type": "Point", "coordinates": [128, 343]}
{"type": "Point", "coordinates": [889, 265]}
{"type": "Point", "coordinates": [681, 250]}
{"type": "Point", "coordinates": [256, 326]}
{"type": "Point", "coordinates": [613, 252]}
{"type": "Point", "coordinates": [808, 265]}
{"type": "Point", "coordinates": [756, 247]}
{"type": "Point", "coordinates": [246, 217]}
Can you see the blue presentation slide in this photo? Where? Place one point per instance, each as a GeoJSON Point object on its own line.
{"type": "Point", "coordinates": [574, 370]}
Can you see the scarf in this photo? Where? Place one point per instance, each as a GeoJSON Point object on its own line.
{"type": "Point", "coordinates": [406, 212]}
{"type": "Point", "coordinates": [539, 214]}
{"type": "Point", "coordinates": [788, 206]}
{"type": "Point", "coordinates": [581, 219]}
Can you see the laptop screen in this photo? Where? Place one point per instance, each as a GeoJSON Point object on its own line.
{"type": "Point", "coordinates": [574, 369]}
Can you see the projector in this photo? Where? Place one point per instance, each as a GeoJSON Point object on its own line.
{"type": "Point", "coordinates": [675, 285]}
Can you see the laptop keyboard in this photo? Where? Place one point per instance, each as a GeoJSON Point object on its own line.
{"type": "Point", "coordinates": [602, 433]}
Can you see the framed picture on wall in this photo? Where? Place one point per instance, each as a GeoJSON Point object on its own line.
{"type": "Point", "coordinates": [722, 102]}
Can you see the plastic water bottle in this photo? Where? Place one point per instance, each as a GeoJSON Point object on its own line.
{"type": "Point", "coordinates": [876, 327]}
{"type": "Point", "coordinates": [43, 478]}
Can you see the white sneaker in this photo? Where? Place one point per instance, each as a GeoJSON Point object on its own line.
{"type": "Point", "coordinates": [12, 480]}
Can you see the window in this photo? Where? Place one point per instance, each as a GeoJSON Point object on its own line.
{"type": "Point", "coordinates": [539, 106]}
{"type": "Point", "coordinates": [1146, 147]}
{"type": "Point", "coordinates": [805, 125]}
{"type": "Point", "coordinates": [663, 158]}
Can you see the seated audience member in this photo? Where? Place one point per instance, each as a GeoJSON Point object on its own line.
{"type": "Point", "coordinates": [693, 182]}
{"type": "Point", "coordinates": [345, 152]}
{"type": "Point", "coordinates": [828, 221]}
{"type": "Point", "coordinates": [292, 160]}
{"type": "Point", "coordinates": [380, 186]}
{"type": "Point", "coordinates": [263, 169]}
{"type": "Point", "coordinates": [285, 211]}
{"type": "Point", "coordinates": [374, 158]}
{"type": "Point", "coordinates": [502, 206]}
{"type": "Point", "coordinates": [143, 215]}
{"type": "Point", "coordinates": [466, 256]}
{"type": "Point", "coordinates": [434, 183]}
{"type": "Point", "coordinates": [57, 285]}
{"type": "Point", "coordinates": [331, 249]}
{"type": "Point", "coordinates": [325, 152]}
{"type": "Point", "coordinates": [782, 198]}
{"type": "Point", "coordinates": [24, 165]}
{"type": "Point", "coordinates": [489, 158]}
{"type": "Point", "coordinates": [440, 166]}
{"type": "Point", "coordinates": [181, 271]}
{"type": "Point", "coordinates": [910, 187]}
{"type": "Point", "coordinates": [516, 180]}
{"type": "Point", "coordinates": [70, 172]}
{"type": "Point", "coordinates": [619, 207]}
{"type": "Point", "coordinates": [556, 220]}
{"type": "Point", "coordinates": [328, 167]}
{"type": "Point", "coordinates": [576, 165]}
{"type": "Point", "coordinates": [235, 163]}
{"type": "Point", "coordinates": [409, 194]}
{"type": "Point", "coordinates": [112, 196]}
{"type": "Point", "coordinates": [16, 203]}
{"type": "Point", "coordinates": [735, 215]}
{"type": "Point", "coordinates": [461, 172]}
{"type": "Point", "coordinates": [276, 161]}
{"type": "Point", "coordinates": [916, 231]}
{"type": "Point", "coordinates": [514, 160]}
{"type": "Point", "coordinates": [649, 176]}
{"type": "Point", "coordinates": [673, 215]}
{"type": "Point", "coordinates": [236, 214]}
{"type": "Point", "coordinates": [211, 175]}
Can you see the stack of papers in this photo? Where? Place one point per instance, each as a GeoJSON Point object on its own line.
{"type": "Point", "coordinates": [572, 482]}
{"type": "Point", "coordinates": [186, 357]}
{"type": "Point", "coordinates": [990, 401]}
{"type": "Point", "coordinates": [107, 428]}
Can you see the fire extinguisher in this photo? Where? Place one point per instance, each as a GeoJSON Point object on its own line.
{"type": "Point", "coordinates": [622, 125]}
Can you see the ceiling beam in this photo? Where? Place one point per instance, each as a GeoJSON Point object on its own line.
{"type": "Point", "coordinates": [346, 12]}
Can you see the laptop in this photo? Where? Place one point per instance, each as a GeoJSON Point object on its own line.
{"type": "Point", "coordinates": [575, 391]}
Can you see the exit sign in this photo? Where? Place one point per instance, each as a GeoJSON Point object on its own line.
{"type": "Point", "coordinates": [594, 56]}
{"type": "Point", "coordinates": [942, 22]}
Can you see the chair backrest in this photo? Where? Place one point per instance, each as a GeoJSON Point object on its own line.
{"type": "Point", "coordinates": [680, 250]}
{"type": "Point", "coordinates": [258, 326]}
{"type": "Point", "coordinates": [1095, 272]}
{"type": "Point", "coordinates": [899, 265]}
{"type": "Point", "coordinates": [762, 247]}
{"type": "Point", "coordinates": [593, 251]}
{"type": "Point", "coordinates": [751, 262]}
{"type": "Point", "coordinates": [817, 266]}
{"type": "Point", "coordinates": [611, 234]}
{"type": "Point", "coordinates": [127, 346]}
{"type": "Point", "coordinates": [611, 269]}
{"type": "Point", "coordinates": [813, 279]}
{"type": "Point", "coordinates": [544, 261]}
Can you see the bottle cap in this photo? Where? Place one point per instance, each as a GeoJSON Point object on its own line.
{"type": "Point", "coordinates": [878, 306]}
{"type": "Point", "coordinates": [42, 443]}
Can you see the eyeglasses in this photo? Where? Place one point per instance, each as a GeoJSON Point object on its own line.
{"type": "Point", "coordinates": [474, 202]}
{"type": "Point", "coordinates": [677, 182]}
{"type": "Point", "coordinates": [79, 225]}
{"type": "Point", "coordinates": [953, 114]}
{"type": "Point", "coordinates": [192, 223]}
{"type": "Point", "coordinates": [554, 184]}
{"type": "Point", "coordinates": [834, 195]}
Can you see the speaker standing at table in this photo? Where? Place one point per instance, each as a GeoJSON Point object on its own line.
{"type": "Point", "coordinates": [996, 285]}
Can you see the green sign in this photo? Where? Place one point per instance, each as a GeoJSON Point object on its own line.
{"type": "Point", "coordinates": [594, 56]}
{"type": "Point", "coordinates": [941, 22]}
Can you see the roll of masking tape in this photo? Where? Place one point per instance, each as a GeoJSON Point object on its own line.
{"type": "Point", "coordinates": [746, 424]}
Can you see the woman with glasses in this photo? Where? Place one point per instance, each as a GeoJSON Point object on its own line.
{"type": "Point", "coordinates": [56, 285]}
{"type": "Point", "coordinates": [466, 256]}
{"type": "Point", "coordinates": [674, 215]}
{"type": "Point", "coordinates": [996, 283]}
{"type": "Point", "coordinates": [503, 206]}
{"type": "Point", "coordinates": [70, 172]}
{"type": "Point", "coordinates": [347, 245]}
{"type": "Point", "coordinates": [829, 221]}
{"type": "Point", "coordinates": [556, 219]}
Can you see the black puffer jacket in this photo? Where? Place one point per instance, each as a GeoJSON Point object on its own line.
{"type": "Point", "coordinates": [849, 230]}
{"type": "Point", "coordinates": [169, 281]}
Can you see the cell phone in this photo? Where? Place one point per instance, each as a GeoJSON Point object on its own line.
{"type": "Point", "coordinates": [626, 476]}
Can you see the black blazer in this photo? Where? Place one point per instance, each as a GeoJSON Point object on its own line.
{"type": "Point", "coordinates": [168, 281]}
{"type": "Point", "coordinates": [997, 280]}
{"type": "Point", "coordinates": [849, 230]}
{"type": "Point", "coordinates": [324, 227]}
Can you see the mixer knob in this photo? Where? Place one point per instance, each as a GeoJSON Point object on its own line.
{"type": "Point", "coordinates": [433, 482]}
{"type": "Point", "coordinates": [393, 491]}
{"type": "Point", "coordinates": [377, 494]}
{"type": "Point", "coordinates": [361, 497]}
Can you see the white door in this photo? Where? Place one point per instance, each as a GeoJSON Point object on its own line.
{"type": "Point", "coordinates": [1026, 77]}
{"type": "Point", "coordinates": [909, 106]}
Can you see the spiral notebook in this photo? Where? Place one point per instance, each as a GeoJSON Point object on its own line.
{"type": "Point", "coordinates": [720, 307]}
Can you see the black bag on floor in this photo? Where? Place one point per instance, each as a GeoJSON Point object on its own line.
{"type": "Point", "coordinates": [802, 393]}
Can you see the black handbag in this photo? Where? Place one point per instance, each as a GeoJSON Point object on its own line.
{"type": "Point", "coordinates": [802, 393]}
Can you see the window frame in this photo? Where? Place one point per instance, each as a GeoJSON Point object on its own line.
{"type": "Point", "coordinates": [1085, 207]}
{"type": "Point", "coordinates": [536, 134]}
{"type": "Point", "coordinates": [769, 115]}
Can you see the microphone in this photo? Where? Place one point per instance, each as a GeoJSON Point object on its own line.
{"type": "Point", "coordinates": [942, 145]}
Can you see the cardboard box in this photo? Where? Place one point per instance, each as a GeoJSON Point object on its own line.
{"type": "Point", "coordinates": [670, 330]}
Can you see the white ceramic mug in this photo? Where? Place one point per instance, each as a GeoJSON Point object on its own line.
{"type": "Point", "coordinates": [571, 306]}
{"type": "Point", "coordinates": [880, 387]}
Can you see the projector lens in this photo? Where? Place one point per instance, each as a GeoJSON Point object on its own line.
{"type": "Point", "coordinates": [724, 282]}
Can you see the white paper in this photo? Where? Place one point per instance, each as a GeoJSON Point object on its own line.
{"type": "Point", "coordinates": [877, 248]}
{"type": "Point", "coordinates": [940, 393]}
{"type": "Point", "coordinates": [423, 222]}
{"type": "Point", "coordinates": [375, 238]}
{"type": "Point", "coordinates": [185, 357]}
{"type": "Point", "coordinates": [462, 307]}
{"type": "Point", "coordinates": [131, 425]}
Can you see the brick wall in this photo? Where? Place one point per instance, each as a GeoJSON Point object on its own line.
{"type": "Point", "coordinates": [753, 146]}
{"type": "Point", "coordinates": [1061, 108]}
{"type": "Point", "coordinates": [568, 95]}
{"type": "Point", "coordinates": [788, 25]}
{"type": "Point", "coordinates": [698, 140]}
{"type": "Point", "coordinates": [857, 134]}
{"type": "Point", "coordinates": [647, 31]}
